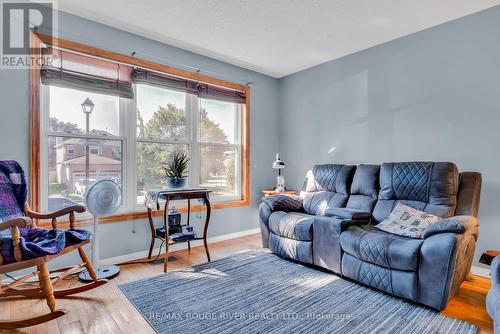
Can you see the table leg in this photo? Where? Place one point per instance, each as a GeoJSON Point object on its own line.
{"type": "Point", "coordinates": [152, 227]}
{"type": "Point", "coordinates": [165, 226]}
{"type": "Point", "coordinates": [207, 221]}
{"type": "Point", "coordinates": [188, 219]}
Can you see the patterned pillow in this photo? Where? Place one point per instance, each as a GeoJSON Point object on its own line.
{"type": "Point", "coordinates": [407, 221]}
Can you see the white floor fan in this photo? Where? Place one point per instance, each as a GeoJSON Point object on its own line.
{"type": "Point", "coordinates": [103, 198]}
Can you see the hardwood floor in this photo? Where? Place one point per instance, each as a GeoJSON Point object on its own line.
{"type": "Point", "coordinates": [106, 309]}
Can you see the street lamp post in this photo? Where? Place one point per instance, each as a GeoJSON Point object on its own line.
{"type": "Point", "coordinates": [87, 107]}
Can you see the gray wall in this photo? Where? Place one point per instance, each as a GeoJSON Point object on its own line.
{"type": "Point", "coordinates": [132, 236]}
{"type": "Point", "coordinates": [433, 95]}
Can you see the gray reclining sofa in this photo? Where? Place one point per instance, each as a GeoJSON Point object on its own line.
{"type": "Point", "coordinates": [493, 297]}
{"type": "Point", "coordinates": [331, 225]}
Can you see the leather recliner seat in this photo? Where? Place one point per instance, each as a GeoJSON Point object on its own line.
{"type": "Point", "coordinates": [332, 225]}
{"type": "Point", "coordinates": [291, 232]}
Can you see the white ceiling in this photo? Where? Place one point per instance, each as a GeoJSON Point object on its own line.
{"type": "Point", "coordinates": [274, 37]}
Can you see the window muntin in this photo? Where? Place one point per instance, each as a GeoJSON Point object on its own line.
{"type": "Point", "coordinates": [142, 141]}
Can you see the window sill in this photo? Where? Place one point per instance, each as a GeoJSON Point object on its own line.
{"type": "Point", "coordinates": [83, 221]}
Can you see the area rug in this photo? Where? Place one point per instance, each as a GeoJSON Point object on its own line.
{"type": "Point", "coordinates": [258, 292]}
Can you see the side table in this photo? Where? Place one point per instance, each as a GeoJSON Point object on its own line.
{"type": "Point", "coordinates": [269, 192]}
{"type": "Point", "coordinates": [152, 202]}
{"type": "Point", "coordinates": [488, 256]}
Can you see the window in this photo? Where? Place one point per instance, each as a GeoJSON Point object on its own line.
{"type": "Point", "coordinates": [169, 121]}
{"type": "Point", "coordinates": [70, 150]}
{"type": "Point", "coordinates": [129, 138]}
{"type": "Point", "coordinates": [68, 164]}
{"type": "Point", "coordinates": [219, 137]}
{"type": "Point", "coordinates": [161, 131]}
{"type": "Point", "coordinates": [97, 150]}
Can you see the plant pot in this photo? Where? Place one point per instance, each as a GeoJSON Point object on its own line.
{"type": "Point", "coordinates": [176, 182]}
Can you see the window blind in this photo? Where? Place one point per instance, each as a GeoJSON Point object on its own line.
{"type": "Point", "coordinates": [202, 90]}
{"type": "Point", "coordinates": [67, 69]}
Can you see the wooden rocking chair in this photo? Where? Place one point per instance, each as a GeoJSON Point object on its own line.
{"type": "Point", "coordinates": [20, 287]}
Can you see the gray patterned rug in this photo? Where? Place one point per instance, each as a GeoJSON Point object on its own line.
{"type": "Point", "coordinates": [258, 292]}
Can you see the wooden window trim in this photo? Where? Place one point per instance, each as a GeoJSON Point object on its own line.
{"type": "Point", "coordinates": [36, 40]}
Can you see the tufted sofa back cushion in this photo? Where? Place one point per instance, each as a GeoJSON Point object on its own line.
{"type": "Point", "coordinates": [364, 188]}
{"type": "Point", "coordinates": [326, 186]}
{"type": "Point", "coordinates": [427, 186]}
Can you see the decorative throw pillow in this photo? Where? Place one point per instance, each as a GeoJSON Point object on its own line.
{"type": "Point", "coordinates": [407, 221]}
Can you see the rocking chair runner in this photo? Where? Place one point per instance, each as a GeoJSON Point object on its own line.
{"type": "Point", "coordinates": [30, 246]}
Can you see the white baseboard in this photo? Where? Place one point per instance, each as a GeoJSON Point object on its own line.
{"type": "Point", "coordinates": [480, 271]}
{"type": "Point", "coordinates": [144, 253]}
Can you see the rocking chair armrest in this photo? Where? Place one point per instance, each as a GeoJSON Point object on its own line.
{"type": "Point", "coordinates": [15, 224]}
{"type": "Point", "coordinates": [19, 222]}
{"type": "Point", "coordinates": [74, 208]}
{"type": "Point", "coordinates": [54, 215]}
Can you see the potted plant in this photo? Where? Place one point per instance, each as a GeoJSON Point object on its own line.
{"type": "Point", "coordinates": [176, 171]}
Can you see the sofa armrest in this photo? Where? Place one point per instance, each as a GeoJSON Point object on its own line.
{"type": "Point", "coordinates": [445, 260]}
{"type": "Point", "coordinates": [346, 213]}
{"type": "Point", "coordinates": [493, 297]}
{"type": "Point", "coordinates": [270, 204]}
{"type": "Point", "coordinates": [493, 306]}
{"type": "Point", "coordinates": [456, 224]}
{"type": "Point", "coordinates": [495, 271]}
{"type": "Point", "coordinates": [283, 202]}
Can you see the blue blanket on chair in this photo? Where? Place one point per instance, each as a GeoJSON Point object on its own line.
{"type": "Point", "coordinates": [37, 241]}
